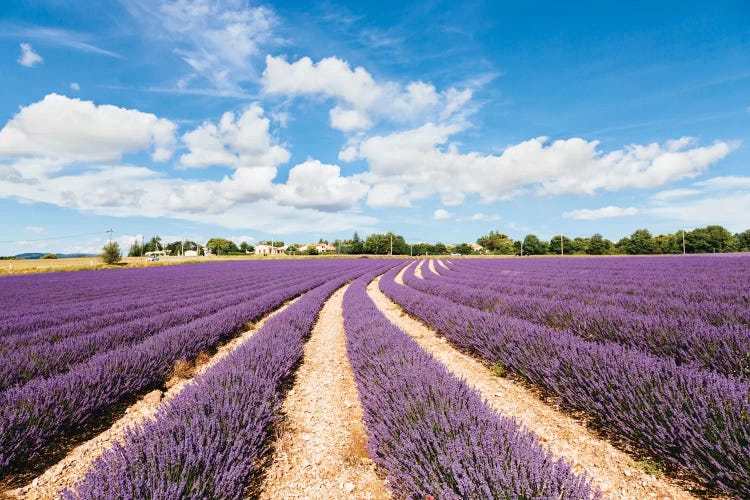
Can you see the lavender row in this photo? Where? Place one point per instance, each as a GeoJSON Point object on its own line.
{"type": "Point", "coordinates": [712, 310]}
{"type": "Point", "coordinates": [210, 440]}
{"type": "Point", "coordinates": [48, 359]}
{"type": "Point", "coordinates": [431, 432]}
{"type": "Point", "coordinates": [694, 278]}
{"type": "Point", "coordinates": [692, 419]}
{"type": "Point", "coordinates": [96, 314]}
{"type": "Point", "coordinates": [34, 414]}
{"type": "Point", "coordinates": [725, 350]}
{"type": "Point", "coordinates": [99, 293]}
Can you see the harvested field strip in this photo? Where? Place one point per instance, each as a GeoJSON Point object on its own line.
{"type": "Point", "coordinates": [320, 451]}
{"type": "Point", "coordinates": [612, 470]}
{"type": "Point", "coordinates": [74, 466]}
{"type": "Point", "coordinates": [443, 265]}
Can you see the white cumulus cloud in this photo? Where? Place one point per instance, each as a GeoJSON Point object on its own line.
{"type": "Point", "coordinates": [313, 184]}
{"type": "Point", "coordinates": [360, 99]}
{"type": "Point", "coordinates": [441, 214]}
{"type": "Point", "coordinates": [75, 130]}
{"type": "Point", "coordinates": [423, 161]}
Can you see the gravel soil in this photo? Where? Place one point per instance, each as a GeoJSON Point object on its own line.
{"type": "Point", "coordinates": [320, 448]}
{"type": "Point", "coordinates": [73, 467]}
{"type": "Point", "coordinates": [614, 471]}
{"type": "Point", "coordinates": [418, 270]}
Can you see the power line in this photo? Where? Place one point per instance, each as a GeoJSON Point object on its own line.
{"type": "Point", "coordinates": [56, 237]}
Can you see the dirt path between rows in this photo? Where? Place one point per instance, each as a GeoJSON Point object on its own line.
{"type": "Point", "coordinates": [612, 470]}
{"type": "Point", "coordinates": [320, 452]}
{"type": "Point", "coordinates": [431, 266]}
{"type": "Point", "coordinates": [418, 270]}
{"type": "Point", "coordinates": [74, 466]}
{"type": "Point", "coordinates": [400, 276]}
{"type": "Point", "coordinates": [443, 265]}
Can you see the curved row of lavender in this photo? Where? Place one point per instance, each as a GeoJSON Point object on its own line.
{"type": "Point", "coordinates": [695, 420]}
{"type": "Point", "coordinates": [211, 439]}
{"type": "Point", "coordinates": [688, 340]}
{"type": "Point", "coordinates": [33, 415]}
{"type": "Point", "coordinates": [431, 432]}
{"type": "Point", "coordinates": [48, 358]}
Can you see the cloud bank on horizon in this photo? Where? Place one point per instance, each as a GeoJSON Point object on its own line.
{"type": "Point", "coordinates": [243, 126]}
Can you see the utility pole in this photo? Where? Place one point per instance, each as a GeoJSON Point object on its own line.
{"type": "Point", "coordinates": [411, 249]}
{"type": "Point", "coordinates": [110, 235]}
{"type": "Point", "coordinates": [521, 248]}
{"type": "Point", "coordinates": [683, 242]}
{"type": "Point", "coordinates": [561, 244]}
{"type": "Point", "coordinates": [391, 251]}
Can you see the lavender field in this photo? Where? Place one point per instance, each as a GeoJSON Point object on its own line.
{"type": "Point", "coordinates": [651, 354]}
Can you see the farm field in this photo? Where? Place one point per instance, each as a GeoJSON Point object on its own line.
{"type": "Point", "coordinates": [377, 378]}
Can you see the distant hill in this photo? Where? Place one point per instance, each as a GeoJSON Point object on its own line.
{"type": "Point", "coordinates": [38, 255]}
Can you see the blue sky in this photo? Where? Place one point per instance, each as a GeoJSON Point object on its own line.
{"type": "Point", "coordinates": [301, 120]}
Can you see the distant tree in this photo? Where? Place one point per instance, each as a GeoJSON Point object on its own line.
{"type": "Point", "coordinates": [554, 245]}
{"type": "Point", "coordinates": [49, 256]}
{"type": "Point", "coordinates": [153, 244]}
{"type": "Point", "coordinates": [641, 243]}
{"type": "Point", "coordinates": [580, 245]}
{"type": "Point", "coordinates": [599, 245]}
{"type": "Point", "coordinates": [244, 247]}
{"type": "Point", "coordinates": [311, 250]}
{"type": "Point", "coordinates": [222, 246]}
{"type": "Point", "coordinates": [380, 244]}
{"type": "Point", "coordinates": [136, 250]}
{"type": "Point", "coordinates": [497, 242]}
{"type": "Point", "coordinates": [668, 244]}
{"type": "Point", "coordinates": [709, 239]}
{"type": "Point", "coordinates": [357, 246]}
{"type": "Point", "coordinates": [463, 249]}
{"type": "Point", "coordinates": [532, 245]}
{"type": "Point", "coordinates": [111, 253]}
{"type": "Point", "coordinates": [321, 240]}
{"type": "Point", "coordinates": [742, 240]}
{"type": "Point", "coordinates": [439, 249]}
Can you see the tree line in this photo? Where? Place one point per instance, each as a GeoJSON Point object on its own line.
{"type": "Point", "coordinates": [707, 239]}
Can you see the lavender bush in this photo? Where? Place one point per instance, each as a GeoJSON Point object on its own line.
{"type": "Point", "coordinates": [210, 440]}
{"type": "Point", "coordinates": [432, 433]}
{"type": "Point", "coordinates": [694, 420]}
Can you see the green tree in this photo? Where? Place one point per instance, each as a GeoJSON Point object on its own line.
{"type": "Point", "coordinates": [463, 249]}
{"type": "Point", "coordinates": [598, 245]}
{"type": "Point", "coordinates": [497, 242]}
{"type": "Point", "coordinates": [641, 243]}
{"type": "Point", "coordinates": [709, 239]}
{"type": "Point", "coordinates": [222, 246]}
{"type": "Point", "coordinates": [579, 245]}
{"type": "Point", "coordinates": [380, 244]}
{"type": "Point", "coordinates": [111, 253]}
{"type": "Point", "coordinates": [311, 251]}
{"type": "Point", "coordinates": [49, 256]}
{"type": "Point", "coordinates": [532, 245]}
{"type": "Point", "coordinates": [668, 244]}
{"type": "Point", "coordinates": [357, 246]}
{"type": "Point", "coordinates": [153, 244]}
{"type": "Point", "coordinates": [554, 245]}
{"type": "Point", "coordinates": [136, 250]}
{"type": "Point", "coordinates": [244, 247]}
{"type": "Point", "coordinates": [439, 249]}
{"type": "Point", "coordinates": [742, 240]}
